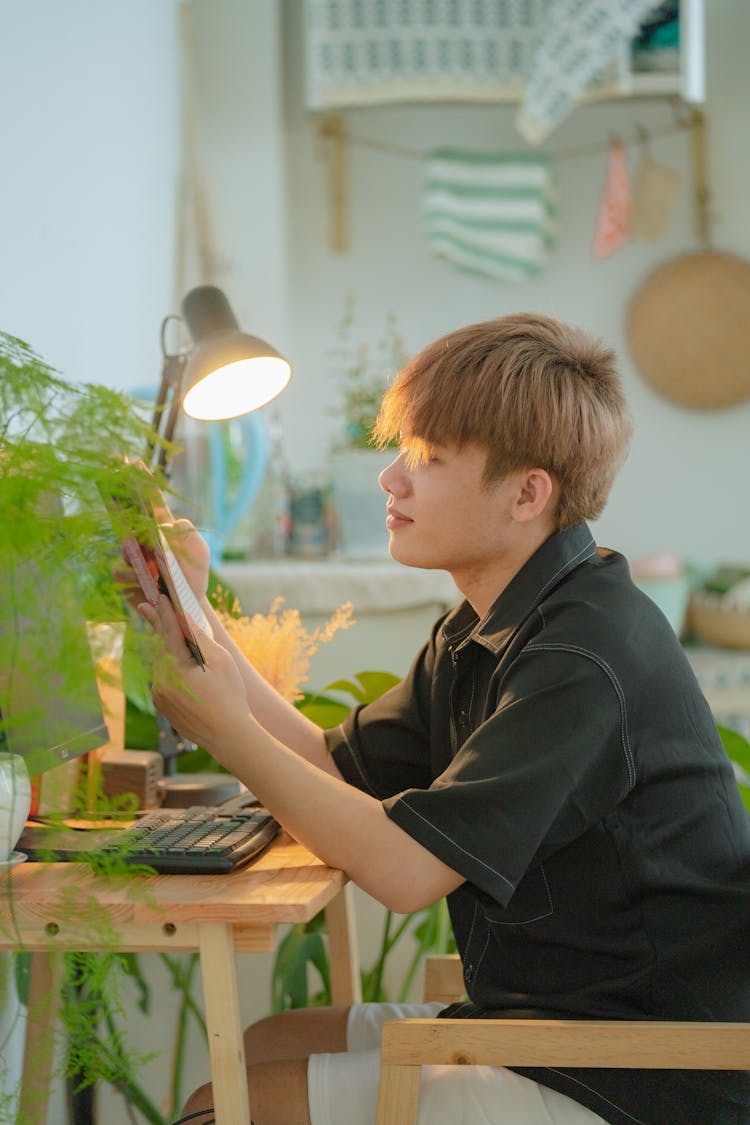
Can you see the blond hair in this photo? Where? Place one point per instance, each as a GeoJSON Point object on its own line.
{"type": "Point", "coordinates": [532, 391]}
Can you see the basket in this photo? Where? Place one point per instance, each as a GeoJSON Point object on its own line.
{"type": "Point", "coordinates": [714, 623]}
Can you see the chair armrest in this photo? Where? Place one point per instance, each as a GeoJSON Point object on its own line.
{"type": "Point", "coordinates": [589, 1043]}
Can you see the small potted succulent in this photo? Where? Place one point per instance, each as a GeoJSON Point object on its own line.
{"type": "Point", "coordinates": [363, 373]}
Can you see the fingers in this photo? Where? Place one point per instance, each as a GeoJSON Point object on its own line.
{"type": "Point", "coordinates": [158, 503]}
{"type": "Point", "coordinates": [149, 615]}
{"type": "Point", "coordinates": [161, 617]}
{"type": "Point", "coordinates": [161, 509]}
{"type": "Point", "coordinates": [163, 620]}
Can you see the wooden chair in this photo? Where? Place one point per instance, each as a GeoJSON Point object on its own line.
{"type": "Point", "coordinates": [409, 1044]}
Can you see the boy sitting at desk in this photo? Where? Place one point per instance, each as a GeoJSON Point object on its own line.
{"type": "Point", "coordinates": [549, 763]}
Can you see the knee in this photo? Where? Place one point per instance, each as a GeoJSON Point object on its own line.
{"type": "Point", "coordinates": [200, 1101]}
{"type": "Point", "coordinates": [296, 1034]}
{"type": "Point", "coordinates": [267, 1040]}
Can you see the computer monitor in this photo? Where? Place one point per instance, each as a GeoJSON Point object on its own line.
{"type": "Point", "coordinates": [50, 707]}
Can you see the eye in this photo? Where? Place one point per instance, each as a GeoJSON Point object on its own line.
{"type": "Point", "coordinates": [416, 452]}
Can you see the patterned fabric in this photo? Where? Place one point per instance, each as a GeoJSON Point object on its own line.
{"type": "Point", "coordinates": [586, 43]}
{"type": "Point", "coordinates": [613, 225]}
{"type": "Point", "coordinates": [488, 214]}
{"type": "Point", "coordinates": [370, 52]}
{"type": "Point", "coordinates": [367, 52]}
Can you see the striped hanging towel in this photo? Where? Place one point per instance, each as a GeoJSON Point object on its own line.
{"type": "Point", "coordinates": [489, 214]}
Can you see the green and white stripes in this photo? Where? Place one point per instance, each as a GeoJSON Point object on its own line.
{"type": "Point", "coordinates": [490, 214]}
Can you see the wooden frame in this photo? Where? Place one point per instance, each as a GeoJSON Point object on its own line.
{"type": "Point", "coordinates": [48, 908]}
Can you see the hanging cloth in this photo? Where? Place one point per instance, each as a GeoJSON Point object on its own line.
{"type": "Point", "coordinates": [585, 44]}
{"type": "Point", "coordinates": [613, 223]}
{"type": "Point", "coordinates": [490, 214]}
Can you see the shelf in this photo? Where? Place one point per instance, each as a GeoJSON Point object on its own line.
{"type": "Point", "coordinates": [319, 586]}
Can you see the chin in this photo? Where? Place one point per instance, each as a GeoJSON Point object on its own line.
{"type": "Point", "coordinates": [401, 553]}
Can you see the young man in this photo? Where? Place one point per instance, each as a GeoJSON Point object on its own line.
{"type": "Point", "coordinates": [549, 763]}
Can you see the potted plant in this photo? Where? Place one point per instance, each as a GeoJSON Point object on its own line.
{"type": "Point", "coordinates": [57, 541]}
{"type": "Point", "coordinates": [363, 375]}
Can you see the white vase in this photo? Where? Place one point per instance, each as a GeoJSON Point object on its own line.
{"type": "Point", "coordinates": [15, 801]}
{"type": "Point", "coordinates": [360, 501]}
{"type": "Point", "coordinates": [12, 1039]}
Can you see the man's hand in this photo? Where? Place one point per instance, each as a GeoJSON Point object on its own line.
{"type": "Point", "coordinates": [191, 549]}
{"type": "Point", "coordinates": [207, 705]}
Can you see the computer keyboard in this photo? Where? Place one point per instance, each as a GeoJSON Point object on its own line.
{"type": "Point", "coordinates": [196, 841]}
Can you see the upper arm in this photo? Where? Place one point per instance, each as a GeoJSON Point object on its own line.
{"type": "Point", "coordinates": [547, 763]}
{"type": "Point", "coordinates": [384, 746]}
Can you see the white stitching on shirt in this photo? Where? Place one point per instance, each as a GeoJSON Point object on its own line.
{"type": "Point", "coordinates": [564, 1074]}
{"type": "Point", "coordinates": [561, 646]}
{"type": "Point", "coordinates": [588, 550]}
{"type": "Point", "coordinates": [454, 842]}
{"type": "Point", "coordinates": [473, 686]}
{"type": "Point", "coordinates": [473, 921]}
{"type": "Point", "coordinates": [586, 547]}
{"type": "Point", "coordinates": [487, 933]}
{"type": "Point", "coordinates": [528, 921]}
{"type": "Point", "coordinates": [456, 638]}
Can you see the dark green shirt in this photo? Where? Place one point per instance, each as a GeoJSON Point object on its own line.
{"type": "Point", "coordinates": [560, 755]}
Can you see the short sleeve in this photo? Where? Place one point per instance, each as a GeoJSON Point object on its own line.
{"type": "Point", "coordinates": [383, 747]}
{"type": "Point", "coordinates": [549, 763]}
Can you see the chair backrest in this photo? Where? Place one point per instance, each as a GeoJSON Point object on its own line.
{"type": "Point", "coordinates": [443, 978]}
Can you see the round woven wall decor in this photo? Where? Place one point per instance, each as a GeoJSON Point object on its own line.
{"type": "Point", "coordinates": [688, 327]}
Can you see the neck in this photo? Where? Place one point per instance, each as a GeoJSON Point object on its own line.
{"type": "Point", "coordinates": [482, 584]}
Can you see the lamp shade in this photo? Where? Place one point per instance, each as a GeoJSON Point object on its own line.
{"type": "Point", "coordinates": [229, 372]}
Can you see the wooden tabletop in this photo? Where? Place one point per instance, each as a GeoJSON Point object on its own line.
{"type": "Point", "coordinates": [54, 904]}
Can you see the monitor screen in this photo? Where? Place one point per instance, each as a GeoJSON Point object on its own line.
{"type": "Point", "coordinates": [50, 708]}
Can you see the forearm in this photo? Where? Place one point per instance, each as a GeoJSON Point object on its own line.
{"type": "Point", "coordinates": [342, 825]}
{"type": "Point", "coordinates": [299, 784]}
{"type": "Point", "coordinates": [280, 718]}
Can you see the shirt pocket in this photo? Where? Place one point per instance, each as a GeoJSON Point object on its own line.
{"type": "Point", "coordinates": [531, 902]}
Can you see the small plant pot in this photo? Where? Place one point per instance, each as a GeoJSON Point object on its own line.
{"type": "Point", "coordinates": [360, 502]}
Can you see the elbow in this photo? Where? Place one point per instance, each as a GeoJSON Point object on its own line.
{"type": "Point", "coordinates": [401, 899]}
{"type": "Point", "coordinates": [405, 904]}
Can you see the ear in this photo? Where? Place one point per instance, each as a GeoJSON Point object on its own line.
{"type": "Point", "coordinates": [536, 496]}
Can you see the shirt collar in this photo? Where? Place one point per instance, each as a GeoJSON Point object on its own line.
{"type": "Point", "coordinates": [557, 556]}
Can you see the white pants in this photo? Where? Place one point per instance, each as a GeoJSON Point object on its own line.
{"type": "Point", "coordinates": [343, 1087]}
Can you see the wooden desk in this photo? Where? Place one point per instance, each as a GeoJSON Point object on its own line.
{"type": "Point", "coordinates": [49, 908]}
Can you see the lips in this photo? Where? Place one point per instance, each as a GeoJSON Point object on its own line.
{"type": "Point", "coordinates": [396, 519]}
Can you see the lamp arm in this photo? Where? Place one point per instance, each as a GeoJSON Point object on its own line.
{"type": "Point", "coordinates": [167, 406]}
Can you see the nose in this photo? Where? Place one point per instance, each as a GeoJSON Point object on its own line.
{"type": "Point", "coordinates": [393, 476]}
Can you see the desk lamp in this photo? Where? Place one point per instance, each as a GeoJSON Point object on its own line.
{"type": "Point", "coordinates": [224, 374]}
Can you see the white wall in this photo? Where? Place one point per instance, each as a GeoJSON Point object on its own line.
{"type": "Point", "coordinates": [89, 164]}
{"type": "Point", "coordinates": [89, 118]}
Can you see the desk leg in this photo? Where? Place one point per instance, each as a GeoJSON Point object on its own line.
{"type": "Point", "coordinates": [226, 1048]}
{"type": "Point", "coordinates": [43, 1006]}
{"type": "Point", "coordinates": [343, 951]}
